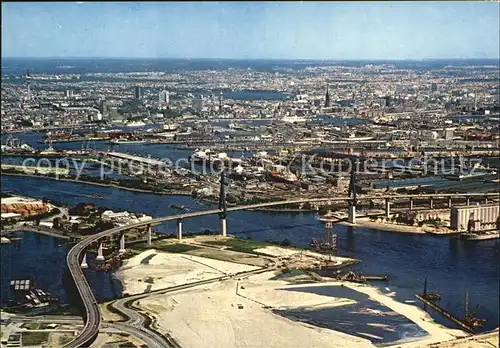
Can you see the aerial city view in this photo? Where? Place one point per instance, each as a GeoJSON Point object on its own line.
{"type": "Point", "coordinates": [250, 174]}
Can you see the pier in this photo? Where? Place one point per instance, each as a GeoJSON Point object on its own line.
{"type": "Point", "coordinates": [446, 314]}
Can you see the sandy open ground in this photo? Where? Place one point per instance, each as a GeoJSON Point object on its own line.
{"type": "Point", "coordinates": [296, 258]}
{"type": "Point", "coordinates": [210, 316]}
{"type": "Point", "coordinates": [158, 270]}
{"type": "Point", "coordinates": [239, 312]}
{"type": "Point", "coordinates": [487, 340]}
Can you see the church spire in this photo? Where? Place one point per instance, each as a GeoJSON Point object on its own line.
{"type": "Point", "coordinates": [327, 98]}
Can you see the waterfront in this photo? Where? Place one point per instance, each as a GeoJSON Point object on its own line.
{"type": "Point", "coordinates": [451, 266]}
{"type": "Point", "coordinates": [42, 259]}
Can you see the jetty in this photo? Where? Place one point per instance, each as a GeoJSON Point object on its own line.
{"type": "Point", "coordinates": [468, 323]}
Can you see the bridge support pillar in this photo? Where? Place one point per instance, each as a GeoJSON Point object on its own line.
{"type": "Point", "coordinates": [468, 201]}
{"type": "Point", "coordinates": [387, 208]}
{"type": "Point", "coordinates": [411, 203]}
{"type": "Point", "coordinates": [122, 244]}
{"type": "Point", "coordinates": [352, 214]}
{"type": "Point", "coordinates": [431, 203]}
{"type": "Point", "coordinates": [485, 200]}
{"type": "Point", "coordinates": [179, 229]}
{"type": "Point", "coordinates": [449, 202]}
{"type": "Point", "coordinates": [100, 255]}
{"type": "Point", "coordinates": [84, 261]}
{"type": "Point", "coordinates": [148, 235]}
{"type": "Point", "coordinates": [223, 226]}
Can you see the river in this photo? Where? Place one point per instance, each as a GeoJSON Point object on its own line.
{"type": "Point", "coordinates": [452, 267]}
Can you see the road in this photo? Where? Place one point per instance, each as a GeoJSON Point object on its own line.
{"type": "Point", "coordinates": [62, 211]}
{"type": "Point", "coordinates": [145, 336]}
{"type": "Point", "coordinates": [138, 321]}
{"type": "Point", "coordinates": [92, 311]}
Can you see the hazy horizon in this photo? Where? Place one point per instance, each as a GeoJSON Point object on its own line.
{"type": "Point", "coordinates": [252, 30]}
{"type": "Point", "coordinates": [280, 59]}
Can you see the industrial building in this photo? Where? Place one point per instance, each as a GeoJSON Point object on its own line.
{"type": "Point", "coordinates": [23, 206]}
{"type": "Point", "coordinates": [485, 214]}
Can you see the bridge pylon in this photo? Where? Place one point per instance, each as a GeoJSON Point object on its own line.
{"type": "Point", "coordinates": [84, 263]}
{"type": "Point", "coordinates": [122, 244]}
{"type": "Point", "coordinates": [148, 235]}
{"type": "Point", "coordinates": [100, 255]}
{"type": "Point", "coordinates": [179, 229]}
{"type": "Point", "coordinates": [352, 193]}
{"type": "Point", "coordinates": [223, 206]}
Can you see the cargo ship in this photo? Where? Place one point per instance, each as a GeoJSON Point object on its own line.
{"type": "Point", "coordinates": [135, 124]}
{"type": "Point", "coordinates": [480, 236]}
{"type": "Point", "coordinates": [126, 141]}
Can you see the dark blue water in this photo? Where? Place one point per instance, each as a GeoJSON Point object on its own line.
{"type": "Point", "coordinates": [356, 319]}
{"type": "Point", "coordinates": [451, 266]}
{"type": "Point", "coordinates": [36, 257]}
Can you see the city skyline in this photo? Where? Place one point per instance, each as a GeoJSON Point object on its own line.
{"type": "Point", "coordinates": [247, 30]}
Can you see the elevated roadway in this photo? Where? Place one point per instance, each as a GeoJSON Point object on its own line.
{"type": "Point", "coordinates": [92, 311]}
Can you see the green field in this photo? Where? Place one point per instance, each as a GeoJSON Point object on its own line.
{"type": "Point", "coordinates": [242, 245]}
{"type": "Point", "coordinates": [166, 246]}
{"type": "Point", "coordinates": [34, 338]}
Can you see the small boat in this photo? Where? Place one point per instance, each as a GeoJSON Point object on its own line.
{"type": "Point", "coordinates": [97, 196]}
{"type": "Point", "coordinates": [179, 207]}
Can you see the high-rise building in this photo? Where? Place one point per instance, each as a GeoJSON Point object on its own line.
{"type": "Point", "coordinates": [220, 102]}
{"type": "Point", "coordinates": [327, 98]}
{"type": "Point", "coordinates": [103, 107]}
{"type": "Point", "coordinates": [198, 104]}
{"type": "Point", "coordinates": [28, 87]}
{"type": "Point", "coordinates": [138, 92]}
{"type": "Point", "coordinates": [475, 100]}
{"type": "Point", "coordinates": [388, 101]}
{"type": "Point", "coordinates": [69, 93]}
{"type": "Point", "coordinates": [164, 97]}
{"type": "Point", "coordinates": [434, 87]}
{"type": "Point", "coordinates": [448, 133]}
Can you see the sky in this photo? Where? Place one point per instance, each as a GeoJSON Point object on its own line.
{"type": "Point", "coordinates": [243, 30]}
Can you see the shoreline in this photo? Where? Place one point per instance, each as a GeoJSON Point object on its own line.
{"type": "Point", "coordinates": [33, 229]}
{"type": "Point", "coordinates": [385, 227]}
{"type": "Point", "coordinates": [173, 193]}
{"type": "Point", "coordinates": [176, 193]}
{"type": "Point", "coordinates": [255, 289]}
{"type": "Point", "coordinates": [363, 222]}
